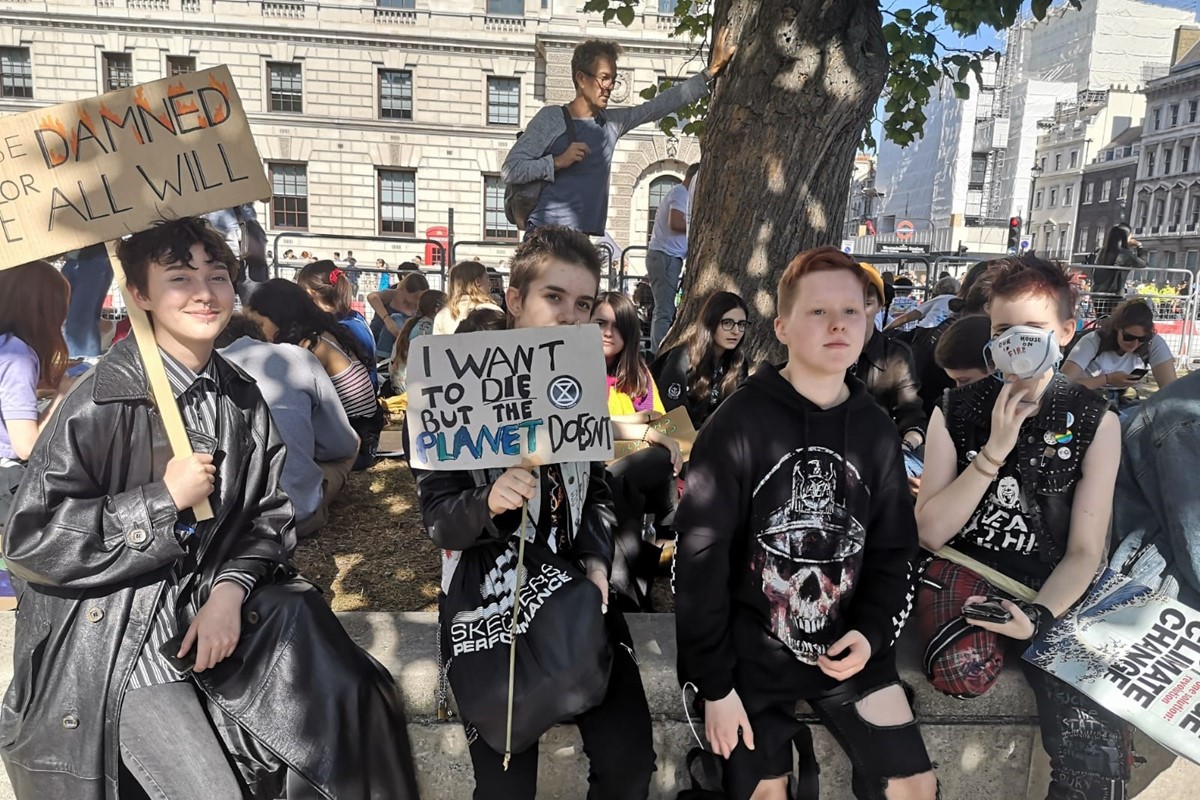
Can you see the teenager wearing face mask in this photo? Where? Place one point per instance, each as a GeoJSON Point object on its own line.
{"type": "Point", "coordinates": [1019, 474]}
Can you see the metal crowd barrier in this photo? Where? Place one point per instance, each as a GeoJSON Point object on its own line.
{"type": "Point", "coordinates": [606, 252]}
{"type": "Point", "coordinates": [1175, 316]}
{"type": "Point", "coordinates": [440, 249]}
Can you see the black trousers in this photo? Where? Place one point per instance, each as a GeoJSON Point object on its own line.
{"type": "Point", "coordinates": [616, 739]}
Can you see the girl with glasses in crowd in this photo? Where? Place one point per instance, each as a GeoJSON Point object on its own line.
{"type": "Point", "coordinates": [700, 374]}
{"type": "Point", "coordinates": [1120, 353]}
{"type": "Point", "coordinates": [642, 482]}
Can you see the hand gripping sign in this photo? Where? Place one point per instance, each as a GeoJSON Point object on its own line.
{"type": "Point", "coordinates": [502, 399]}
{"type": "Point", "coordinates": [95, 170]}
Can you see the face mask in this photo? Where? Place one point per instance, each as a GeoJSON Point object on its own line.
{"type": "Point", "coordinates": [1023, 351]}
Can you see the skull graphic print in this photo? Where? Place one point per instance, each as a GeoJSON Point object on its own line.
{"type": "Point", "coordinates": [810, 550]}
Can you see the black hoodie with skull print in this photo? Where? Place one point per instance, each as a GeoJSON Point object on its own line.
{"type": "Point", "coordinates": [796, 527]}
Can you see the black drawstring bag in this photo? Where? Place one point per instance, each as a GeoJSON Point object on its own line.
{"type": "Point", "coordinates": [563, 657]}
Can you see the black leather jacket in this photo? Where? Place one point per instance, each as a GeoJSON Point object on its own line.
{"type": "Point", "coordinates": [91, 538]}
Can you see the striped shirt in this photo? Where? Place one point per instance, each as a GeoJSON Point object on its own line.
{"type": "Point", "coordinates": [197, 396]}
{"type": "Point", "coordinates": [353, 386]}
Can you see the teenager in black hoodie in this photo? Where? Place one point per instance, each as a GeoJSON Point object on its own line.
{"type": "Point", "coordinates": [796, 546]}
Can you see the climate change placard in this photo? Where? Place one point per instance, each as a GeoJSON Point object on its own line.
{"type": "Point", "coordinates": [496, 399]}
{"type": "Point", "coordinates": [1137, 654]}
{"type": "Point", "coordinates": [98, 169]}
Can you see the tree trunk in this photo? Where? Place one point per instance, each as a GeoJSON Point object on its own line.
{"type": "Point", "coordinates": [781, 135]}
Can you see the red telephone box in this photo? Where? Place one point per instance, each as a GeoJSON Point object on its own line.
{"type": "Point", "coordinates": [433, 254]}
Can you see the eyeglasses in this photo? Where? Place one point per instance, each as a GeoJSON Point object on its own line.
{"type": "Point", "coordinates": [1129, 337]}
{"type": "Point", "coordinates": [728, 324]}
{"type": "Point", "coordinates": [604, 82]}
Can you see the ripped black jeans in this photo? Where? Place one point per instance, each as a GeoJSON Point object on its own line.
{"type": "Point", "coordinates": [877, 753]}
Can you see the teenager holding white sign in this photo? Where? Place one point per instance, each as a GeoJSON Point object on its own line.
{"type": "Point", "coordinates": [555, 277]}
{"type": "Point", "coordinates": [1019, 474]}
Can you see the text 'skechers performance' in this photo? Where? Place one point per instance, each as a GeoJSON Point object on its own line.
{"type": "Point", "coordinates": [496, 399]}
{"type": "Point", "coordinates": [101, 168]}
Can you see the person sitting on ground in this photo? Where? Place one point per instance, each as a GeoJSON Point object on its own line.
{"type": "Point", "coordinates": [932, 312]}
{"type": "Point", "coordinates": [131, 620]}
{"type": "Point", "coordinates": [702, 373]}
{"type": "Point", "coordinates": [796, 549]}
{"type": "Point", "coordinates": [554, 280]}
{"type": "Point", "coordinates": [419, 324]}
{"type": "Point", "coordinates": [394, 307]}
{"type": "Point", "coordinates": [483, 319]}
{"type": "Point", "coordinates": [470, 288]}
{"type": "Point", "coordinates": [1122, 351]}
{"type": "Point", "coordinates": [289, 316]}
{"type": "Point", "coordinates": [321, 444]}
{"type": "Point", "coordinates": [960, 350]}
{"type": "Point", "coordinates": [1019, 475]}
{"type": "Point", "coordinates": [886, 368]}
{"type": "Point", "coordinates": [575, 169]}
{"type": "Point", "coordinates": [643, 482]}
{"type": "Point", "coordinates": [330, 288]}
{"type": "Point", "coordinates": [1156, 510]}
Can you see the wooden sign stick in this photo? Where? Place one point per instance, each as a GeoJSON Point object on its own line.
{"type": "Point", "coordinates": [156, 373]}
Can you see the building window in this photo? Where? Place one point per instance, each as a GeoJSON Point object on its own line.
{"type": "Point", "coordinates": [399, 5]}
{"type": "Point", "coordinates": [1176, 210]}
{"type": "Point", "coordinates": [1141, 214]}
{"type": "Point", "coordinates": [1149, 163]}
{"type": "Point", "coordinates": [1057, 162]}
{"type": "Point", "coordinates": [1053, 198]}
{"type": "Point", "coordinates": [1158, 119]}
{"type": "Point", "coordinates": [1088, 188]}
{"type": "Point", "coordinates": [667, 7]}
{"type": "Point", "coordinates": [1068, 196]}
{"type": "Point", "coordinates": [512, 8]}
{"type": "Point", "coordinates": [1192, 111]}
{"type": "Point", "coordinates": [1062, 243]}
{"type": "Point", "coordinates": [16, 73]}
{"type": "Point", "coordinates": [503, 101]}
{"type": "Point", "coordinates": [659, 188]}
{"type": "Point", "coordinates": [1123, 192]}
{"type": "Point", "coordinates": [180, 65]}
{"type": "Point", "coordinates": [1105, 191]}
{"type": "Point", "coordinates": [1185, 158]}
{"type": "Point", "coordinates": [495, 224]}
{"type": "Point", "coordinates": [118, 71]}
{"type": "Point", "coordinates": [1084, 235]}
{"type": "Point", "coordinates": [1190, 259]}
{"type": "Point", "coordinates": [1174, 115]}
{"type": "Point", "coordinates": [1194, 212]}
{"type": "Point", "coordinates": [1037, 200]}
{"type": "Point", "coordinates": [286, 86]}
{"type": "Point", "coordinates": [289, 196]}
{"type": "Point", "coordinates": [397, 201]}
{"type": "Point", "coordinates": [1159, 208]}
{"type": "Point", "coordinates": [1167, 154]}
{"type": "Point", "coordinates": [395, 94]}
{"type": "Point", "coordinates": [1074, 159]}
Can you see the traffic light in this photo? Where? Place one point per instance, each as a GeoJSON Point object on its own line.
{"type": "Point", "coordinates": [1014, 234]}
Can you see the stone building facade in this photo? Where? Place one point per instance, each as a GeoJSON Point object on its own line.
{"type": "Point", "coordinates": [376, 118]}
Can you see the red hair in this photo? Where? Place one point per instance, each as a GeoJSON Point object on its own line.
{"type": "Point", "coordinates": [1030, 275]}
{"type": "Point", "coordinates": [818, 259]}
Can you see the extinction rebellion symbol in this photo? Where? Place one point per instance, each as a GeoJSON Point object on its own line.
{"type": "Point", "coordinates": [565, 392]}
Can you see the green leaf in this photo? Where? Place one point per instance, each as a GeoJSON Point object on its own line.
{"type": "Point", "coordinates": [626, 15]}
{"type": "Point", "coordinates": [648, 93]}
{"type": "Point", "coordinates": [1039, 8]}
{"type": "Point", "coordinates": [961, 90]}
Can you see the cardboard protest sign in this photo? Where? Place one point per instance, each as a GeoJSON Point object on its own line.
{"type": "Point", "coordinates": [98, 169]}
{"type": "Point", "coordinates": [1137, 654]}
{"type": "Point", "coordinates": [496, 399]}
{"type": "Point", "coordinates": [675, 423]}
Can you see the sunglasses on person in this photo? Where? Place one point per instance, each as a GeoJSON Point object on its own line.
{"type": "Point", "coordinates": [604, 81]}
{"type": "Point", "coordinates": [728, 324]}
{"type": "Point", "coordinates": [1129, 337]}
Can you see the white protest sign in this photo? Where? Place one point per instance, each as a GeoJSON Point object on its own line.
{"type": "Point", "coordinates": [98, 169]}
{"type": "Point", "coordinates": [497, 398]}
{"type": "Point", "coordinates": [1137, 654]}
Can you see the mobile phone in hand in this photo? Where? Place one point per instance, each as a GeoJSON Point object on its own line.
{"type": "Point", "coordinates": [170, 650]}
{"type": "Point", "coordinates": [1138, 373]}
{"type": "Point", "coordinates": [988, 610]}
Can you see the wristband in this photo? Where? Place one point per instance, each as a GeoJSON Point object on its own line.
{"type": "Point", "coordinates": [991, 476]}
{"type": "Point", "coordinates": [997, 464]}
{"type": "Point", "coordinates": [646, 433]}
{"type": "Point", "coordinates": [1041, 617]}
